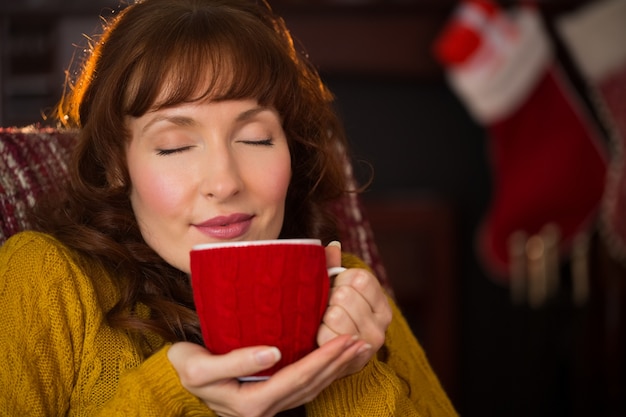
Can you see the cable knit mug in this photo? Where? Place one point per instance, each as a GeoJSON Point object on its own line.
{"type": "Point", "coordinates": [266, 292]}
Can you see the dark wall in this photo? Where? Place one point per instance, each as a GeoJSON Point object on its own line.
{"type": "Point", "coordinates": [422, 143]}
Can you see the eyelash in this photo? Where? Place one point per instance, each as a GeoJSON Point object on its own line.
{"type": "Point", "coordinates": [263, 142]}
{"type": "Point", "coordinates": [165, 152]}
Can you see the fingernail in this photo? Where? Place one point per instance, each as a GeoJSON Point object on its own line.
{"type": "Point", "coordinates": [335, 243]}
{"type": "Point", "coordinates": [267, 356]}
{"type": "Point", "coordinates": [352, 340]}
{"type": "Point", "coordinates": [335, 270]}
{"type": "Point", "coordinates": [366, 347]}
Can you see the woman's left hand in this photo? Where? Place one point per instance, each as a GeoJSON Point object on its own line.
{"type": "Point", "coordinates": [357, 306]}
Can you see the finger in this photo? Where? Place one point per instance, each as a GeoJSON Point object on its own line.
{"type": "Point", "coordinates": [333, 254]}
{"type": "Point", "coordinates": [325, 334]}
{"type": "Point", "coordinates": [354, 363]}
{"type": "Point", "coordinates": [350, 312]}
{"type": "Point", "coordinates": [355, 351]}
{"type": "Point", "coordinates": [302, 381]}
{"type": "Point", "coordinates": [367, 285]}
{"type": "Point", "coordinates": [322, 365]}
{"type": "Point", "coordinates": [320, 357]}
{"type": "Point", "coordinates": [248, 361]}
{"type": "Point", "coordinates": [340, 320]}
{"type": "Point", "coordinates": [196, 366]}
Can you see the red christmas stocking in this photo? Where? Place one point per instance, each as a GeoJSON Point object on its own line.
{"type": "Point", "coordinates": [548, 163]}
{"type": "Point", "coordinates": [596, 38]}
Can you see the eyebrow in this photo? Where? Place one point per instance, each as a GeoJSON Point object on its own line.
{"type": "Point", "coordinates": [183, 121]}
{"type": "Point", "coordinates": [249, 114]}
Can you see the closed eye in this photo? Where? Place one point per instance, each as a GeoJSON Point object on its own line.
{"type": "Point", "coordinates": [263, 142]}
{"type": "Point", "coordinates": [165, 152]}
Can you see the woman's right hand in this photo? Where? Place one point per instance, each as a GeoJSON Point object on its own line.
{"type": "Point", "coordinates": [213, 378]}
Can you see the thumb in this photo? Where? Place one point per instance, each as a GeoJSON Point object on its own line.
{"type": "Point", "coordinates": [333, 254]}
{"type": "Point", "coordinates": [197, 367]}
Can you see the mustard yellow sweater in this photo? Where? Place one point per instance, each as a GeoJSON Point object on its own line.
{"type": "Point", "coordinates": [61, 358]}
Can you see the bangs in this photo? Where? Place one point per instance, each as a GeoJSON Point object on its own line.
{"type": "Point", "coordinates": [208, 57]}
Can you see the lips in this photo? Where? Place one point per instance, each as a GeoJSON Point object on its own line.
{"type": "Point", "coordinates": [226, 227]}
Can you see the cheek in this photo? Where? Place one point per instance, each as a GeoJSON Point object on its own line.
{"type": "Point", "coordinates": [277, 183]}
{"type": "Point", "coordinates": [277, 187]}
{"type": "Point", "coordinates": [154, 194]}
{"type": "Point", "coordinates": [268, 176]}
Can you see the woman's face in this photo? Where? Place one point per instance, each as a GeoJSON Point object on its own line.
{"type": "Point", "coordinates": [207, 172]}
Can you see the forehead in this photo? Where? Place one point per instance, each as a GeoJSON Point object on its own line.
{"type": "Point", "coordinates": [190, 115]}
{"type": "Point", "coordinates": [221, 72]}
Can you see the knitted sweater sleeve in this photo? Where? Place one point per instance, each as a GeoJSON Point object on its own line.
{"type": "Point", "coordinates": [61, 356]}
{"type": "Point", "coordinates": [165, 397]}
{"type": "Point", "coordinates": [397, 382]}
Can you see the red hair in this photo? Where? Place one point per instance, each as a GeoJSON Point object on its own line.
{"type": "Point", "coordinates": [177, 51]}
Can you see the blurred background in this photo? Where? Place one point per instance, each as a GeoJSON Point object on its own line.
{"type": "Point", "coordinates": [476, 161]}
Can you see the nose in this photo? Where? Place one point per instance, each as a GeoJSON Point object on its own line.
{"type": "Point", "coordinates": [221, 176]}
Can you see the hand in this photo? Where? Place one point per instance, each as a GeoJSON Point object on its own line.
{"type": "Point", "coordinates": [357, 306]}
{"type": "Point", "coordinates": [212, 378]}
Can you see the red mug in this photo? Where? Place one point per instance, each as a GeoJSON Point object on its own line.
{"type": "Point", "coordinates": [266, 292]}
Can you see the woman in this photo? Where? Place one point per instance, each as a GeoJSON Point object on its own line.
{"type": "Point", "coordinates": [198, 122]}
